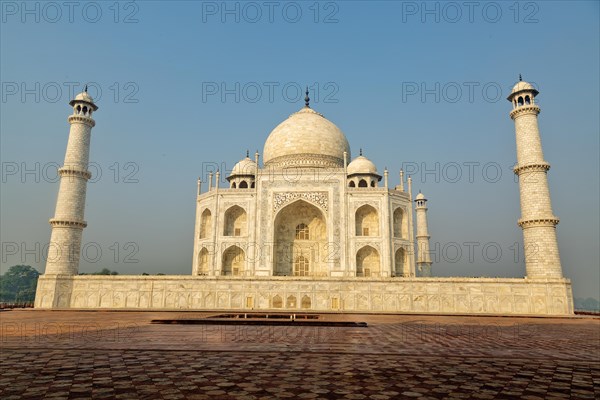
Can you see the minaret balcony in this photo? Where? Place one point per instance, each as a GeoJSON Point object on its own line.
{"type": "Point", "coordinates": [82, 119]}
{"type": "Point", "coordinates": [536, 167]}
{"type": "Point", "coordinates": [526, 109]}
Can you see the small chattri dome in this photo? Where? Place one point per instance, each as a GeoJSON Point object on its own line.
{"type": "Point", "coordinates": [420, 196]}
{"type": "Point", "coordinates": [362, 165]}
{"type": "Point", "coordinates": [244, 167]}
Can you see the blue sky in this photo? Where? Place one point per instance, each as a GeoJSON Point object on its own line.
{"type": "Point", "coordinates": [184, 86]}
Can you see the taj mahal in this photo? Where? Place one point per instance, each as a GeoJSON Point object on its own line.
{"type": "Point", "coordinates": [305, 226]}
{"type": "Point", "coordinates": [308, 212]}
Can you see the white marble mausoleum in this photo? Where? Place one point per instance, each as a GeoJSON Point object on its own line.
{"type": "Point", "coordinates": [310, 228]}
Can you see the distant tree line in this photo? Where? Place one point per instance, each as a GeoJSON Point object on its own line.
{"type": "Point", "coordinates": [103, 271]}
{"type": "Point", "coordinates": [589, 304]}
{"type": "Point", "coordinates": [18, 284]}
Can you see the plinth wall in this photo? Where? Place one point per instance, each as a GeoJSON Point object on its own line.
{"type": "Point", "coordinates": [395, 295]}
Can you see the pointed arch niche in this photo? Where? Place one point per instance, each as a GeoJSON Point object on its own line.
{"type": "Point", "coordinates": [300, 234]}
{"type": "Point", "coordinates": [400, 223]}
{"type": "Point", "coordinates": [400, 263]}
{"type": "Point", "coordinates": [368, 262]}
{"type": "Point", "coordinates": [367, 221]}
{"type": "Point", "coordinates": [203, 262]}
{"type": "Point", "coordinates": [205, 224]}
{"type": "Point", "coordinates": [234, 261]}
{"type": "Point", "coordinates": [236, 222]}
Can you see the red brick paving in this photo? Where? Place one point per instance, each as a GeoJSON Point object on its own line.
{"type": "Point", "coordinates": [82, 355]}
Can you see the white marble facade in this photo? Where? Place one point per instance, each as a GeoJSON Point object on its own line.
{"type": "Point", "coordinates": [307, 212]}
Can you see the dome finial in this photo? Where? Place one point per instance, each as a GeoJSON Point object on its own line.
{"type": "Point", "coordinates": [520, 78]}
{"type": "Point", "coordinates": [360, 153]}
{"type": "Point", "coordinates": [307, 99]}
{"type": "Point", "coordinates": [247, 153]}
{"type": "Point", "coordinates": [85, 89]}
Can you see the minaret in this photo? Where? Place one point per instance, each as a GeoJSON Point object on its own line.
{"type": "Point", "coordinates": [423, 256]}
{"type": "Point", "coordinates": [68, 222]}
{"type": "Point", "coordinates": [542, 259]}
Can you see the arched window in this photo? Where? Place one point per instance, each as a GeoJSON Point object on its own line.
{"type": "Point", "coordinates": [367, 262]}
{"type": "Point", "coordinates": [252, 185]}
{"type": "Point", "coordinates": [205, 224]}
{"type": "Point", "coordinates": [527, 100]}
{"type": "Point", "coordinates": [302, 232]}
{"type": "Point", "coordinates": [233, 185]}
{"type": "Point", "coordinates": [400, 228]}
{"type": "Point", "coordinates": [362, 183]}
{"type": "Point", "coordinates": [234, 260]}
{"type": "Point", "coordinates": [243, 185]}
{"type": "Point", "coordinates": [352, 184]}
{"type": "Point", "coordinates": [400, 260]}
{"type": "Point", "coordinates": [301, 266]}
{"type": "Point", "coordinates": [520, 101]}
{"type": "Point", "coordinates": [367, 221]}
{"type": "Point", "coordinates": [203, 262]}
{"type": "Point", "coordinates": [305, 302]}
{"type": "Point", "coordinates": [236, 221]}
{"type": "Point", "coordinates": [277, 302]}
{"type": "Point", "coordinates": [291, 302]}
{"type": "Point", "coordinates": [373, 183]}
{"type": "Point", "coordinates": [78, 109]}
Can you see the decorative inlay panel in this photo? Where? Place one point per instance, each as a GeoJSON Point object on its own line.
{"type": "Point", "coordinates": [320, 199]}
{"type": "Point", "coordinates": [305, 160]}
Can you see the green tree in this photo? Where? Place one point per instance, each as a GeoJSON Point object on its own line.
{"type": "Point", "coordinates": [106, 271]}
{"type": "Point", "coordinates": [18, 284]}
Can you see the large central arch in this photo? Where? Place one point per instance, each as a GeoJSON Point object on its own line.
{"type": "Point", "coordinates": [300, 236]}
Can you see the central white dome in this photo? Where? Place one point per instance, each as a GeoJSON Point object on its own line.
{"type": "Point", "coordinates": [306, 139]}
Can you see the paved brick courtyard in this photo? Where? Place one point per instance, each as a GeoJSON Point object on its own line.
{"type": "Point", "coordinates": [81, 355]}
